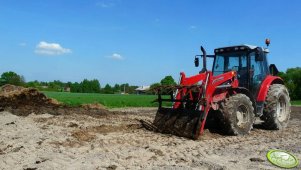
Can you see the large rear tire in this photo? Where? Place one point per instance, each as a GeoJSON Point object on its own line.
{"type": "Point", "coordinates": [277, 110]}
{"type": "Point", "coordinates": [237, 115]}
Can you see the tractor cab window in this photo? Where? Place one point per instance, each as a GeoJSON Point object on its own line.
{"type": "Point", "coordinates": [228, 62]}
{"type": "Point", "coordinates": [232, 61]}
{"type": "Point", "coordinates": [219, 66]}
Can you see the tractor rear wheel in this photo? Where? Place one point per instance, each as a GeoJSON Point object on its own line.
{"type": "Point", "coordinates": [237, 115]}
{"type": "Point", "coordinates": [276, 111]}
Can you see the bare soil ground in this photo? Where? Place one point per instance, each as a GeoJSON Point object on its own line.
{"type": "Point", "coordinates": [79, 141]}
{"type": "Point", "coordinates": [91, 137]}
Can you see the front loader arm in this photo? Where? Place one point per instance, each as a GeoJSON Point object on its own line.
{"type": "Point", "coordinates": [191, 104]}
{"type": "Point", "coordinates": [192, 81]}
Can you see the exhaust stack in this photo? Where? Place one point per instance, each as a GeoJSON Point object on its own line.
{"type": "Point", "coordinates": [204, 60]}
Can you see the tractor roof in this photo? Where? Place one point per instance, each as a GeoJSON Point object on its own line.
{"type": "Point", "coordinates": [239, 48]}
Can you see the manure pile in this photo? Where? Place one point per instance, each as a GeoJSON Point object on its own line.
{"type": "Point", "coordinates": [24, 101]}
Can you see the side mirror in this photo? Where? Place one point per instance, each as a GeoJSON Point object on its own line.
{"type": "Point", "coordinates": [273, 69]}
{"type": "Point", "coordinates": [258, 57]}
{"type": "Point", "coordinates": [196, 61]}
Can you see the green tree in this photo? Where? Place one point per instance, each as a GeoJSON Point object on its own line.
{"type": "Point", "coordinates": [107, 89]}
{"type": "Point", "coordinates": [124, 88]}
{"type": "Point", "coordinates": [168, 80]}
{"type": "Point", "coordinates": [12, 78]}
{"type": "Point", "coordinates": [152, 89]}
{"type": "Point", "coordinates": [117, 88]}
{"type": "Point", "coordinates": [42, 83]}
{"type": "Point", "coordinates": [76, 88]}
{"type": "Point", "coordinates": [292, 79]}
{"type": "Point", "coordinates": [86, 88]}
{"type": "Point", "coordinates": [95, 86]}
{"type": "Point", "coordinates": [55, 85]}
{"type": "Point", "coordinates": [90, 86]}
{"type": "Point", "coordinates": [34, 84]}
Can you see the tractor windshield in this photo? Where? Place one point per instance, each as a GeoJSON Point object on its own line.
{"type": "Point", "coordinates": [232, 61]}
{"type": "Point", "coordinates": [228, 62]}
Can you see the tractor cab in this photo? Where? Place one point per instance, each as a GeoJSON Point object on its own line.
{"type": "Point", "coordinates": [249, 62]}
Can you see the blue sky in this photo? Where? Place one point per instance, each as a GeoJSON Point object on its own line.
{"type": "Point", "coordinates": [138, 41]}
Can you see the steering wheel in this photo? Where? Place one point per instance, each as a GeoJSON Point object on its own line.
{"type": "Point", "coordinates": [258, 77]}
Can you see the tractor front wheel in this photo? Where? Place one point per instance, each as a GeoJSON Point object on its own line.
{"type": "Point", "coordinates": [276, 111]}
{"type": "Point", "coordinates": [237, 115]}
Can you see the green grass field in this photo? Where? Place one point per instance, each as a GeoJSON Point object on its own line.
{"type": "Point", "coordinates": [108, 100]}
{"type": "Point", "coordinates": [296, 102]}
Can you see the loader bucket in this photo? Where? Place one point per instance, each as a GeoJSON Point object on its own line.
{"type": "Point", "coordinates": [185, 117]}
{"type": "Point", "coordinates": [180, 122]}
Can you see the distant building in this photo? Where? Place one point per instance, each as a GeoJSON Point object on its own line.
{"type": "Point", "coordinates": [44, 87]}
{"type": "Point", "coordinates": [142, 89]}
{"type": "Point", "coordinates": [67, 89]}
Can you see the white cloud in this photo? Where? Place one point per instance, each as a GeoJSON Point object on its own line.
{"type": "Point", "coordinates": [45, 48]}
{"type": "Point", "coordinates": [116, 56]}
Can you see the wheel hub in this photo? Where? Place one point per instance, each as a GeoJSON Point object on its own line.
{"type": "Point", "coordinates": [242, 115]}
{"type": "Point", "coordinates": [281, 108]}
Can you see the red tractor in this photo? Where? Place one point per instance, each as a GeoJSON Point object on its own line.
{"type": "Point", "coordinates": [240, 87]}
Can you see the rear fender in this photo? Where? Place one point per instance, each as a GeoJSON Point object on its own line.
{"type": "Point", "coordinates": [265, 85]}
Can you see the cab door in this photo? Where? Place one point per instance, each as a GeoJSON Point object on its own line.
{"type": "Point", "coordinates": [258, 71]}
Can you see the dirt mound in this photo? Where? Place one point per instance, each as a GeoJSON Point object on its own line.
{"type": "Point", "coordinates": [10, 88]}
{"type": "Point", "coordinates": [24, 101]}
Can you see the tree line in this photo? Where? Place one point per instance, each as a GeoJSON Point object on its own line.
{"type": "Point", "coordinates": [291, 77]}
{"type": "Point", "coordinates": [85, 86]}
